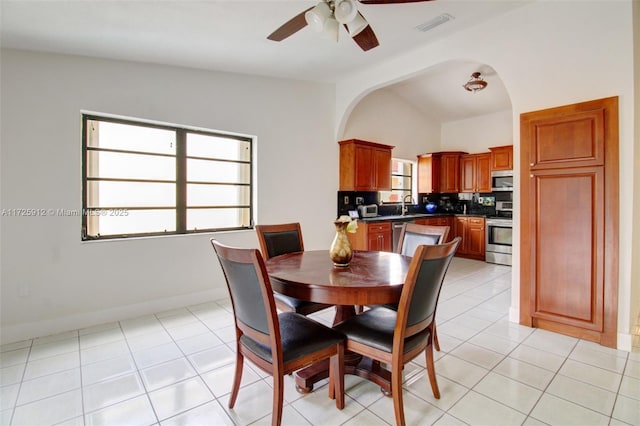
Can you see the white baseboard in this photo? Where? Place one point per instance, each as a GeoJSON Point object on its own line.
{"type": "Point", "coordinates": [30, 330]}
{"type": "Point", "coordinates": [625, 342]}
{"type": "Point", "coordinates": [514, 314]}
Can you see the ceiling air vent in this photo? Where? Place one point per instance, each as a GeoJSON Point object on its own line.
{"type": "Point", "coordinates": [438, 20]}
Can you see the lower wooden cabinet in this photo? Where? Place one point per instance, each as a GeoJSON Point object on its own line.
{"type": "Point", "coordinates": [375, 236]}
{"type": "Point", "coordinates": [438, 221]}
{"type": "Point", "coordinates": [472, 231]}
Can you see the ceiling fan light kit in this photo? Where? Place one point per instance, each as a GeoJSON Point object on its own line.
{"type": "Point", "coordinates": [345, 11]}
{"type": "Point", "coordinates": [327, 16]}
{"type": "Point", "coordinates": [317, 16]}
{"type": "Point", "coordinates": [475, 83]}
{"type": "Point", "coordinates": [331, 29]}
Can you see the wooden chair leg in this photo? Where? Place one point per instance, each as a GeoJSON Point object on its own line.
{"type": "Point", "coordinates": [336, 377]}
{"type": "Point", "coordinates": [396, 391]}
{"type": "Point", "coordinates": [237, 378]}
{"type": "Point", "coordinates": [431, 371]}
{"type": "Point", "coordinates": [436, 343]}
{"type": "Point", "coordinates": [278, 399]}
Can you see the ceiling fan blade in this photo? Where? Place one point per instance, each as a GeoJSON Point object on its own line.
{"type": "Point", "coordinates": [290, 27]}
{"type": "Point", "coordinates": [390, 1]}
{"type": "Point", "coordinates": [366, 39]}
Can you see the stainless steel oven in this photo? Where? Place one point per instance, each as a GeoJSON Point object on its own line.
{"type": "Point", "coordinates": [498, 240]}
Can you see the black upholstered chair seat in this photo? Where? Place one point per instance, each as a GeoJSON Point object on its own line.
{"type": "Point", "coordinates": [300, 336]}
{"type": "Point", "coordinates": [375, 328]}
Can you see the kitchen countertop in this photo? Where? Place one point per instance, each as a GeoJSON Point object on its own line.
{"type": "Point", "coordinates": [409, 217]}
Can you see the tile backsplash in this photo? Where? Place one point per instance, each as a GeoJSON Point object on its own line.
{"type": "Point", "coordinates": [476, 203]}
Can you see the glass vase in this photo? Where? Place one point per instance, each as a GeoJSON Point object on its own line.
{"type": "Point", "coordinates": [340, 251]}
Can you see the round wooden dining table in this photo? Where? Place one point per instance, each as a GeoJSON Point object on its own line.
{"type": "Point", "coordinates": [371, 278]}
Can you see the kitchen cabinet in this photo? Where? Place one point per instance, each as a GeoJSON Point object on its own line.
{"type": "Point", "coordinates": [429, 173]}
{"type": "Point", "coordinates": [375, 236]}
{"type": "Point", "coordinates": [472, 231]}
{"type": "Point", "coordinates": [502, 157]}
{"type": "Point", "coordinates": [450, 172]}
{"type": "Point", "coordinates": [438, 221]}
{"type": "Point", "coordinates": [439, 172]}
{"type": "Point", "coordinates": [364, 166]}
{"type": "Point", "coordinates": [475, 173]}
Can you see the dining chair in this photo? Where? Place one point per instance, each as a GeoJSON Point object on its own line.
{"type": "Point", "coordinates": [396, 337]}
{"type": "Point", "coordinates": [281, 239]}
{"type": "Point", "coordinates": [411, 236]}
{"type": "Point", "coordinates": [278, 344]}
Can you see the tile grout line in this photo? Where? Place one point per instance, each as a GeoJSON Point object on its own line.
{"type": "Point", "coordinates": [24, 372]}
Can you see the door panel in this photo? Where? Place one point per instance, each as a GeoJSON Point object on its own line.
{"type": "Point", "coordinates": [584, 131]}
{"type": "Point", "coordinates": [363, 165]}
{"type": "Point", "coordinates": [568, 282]}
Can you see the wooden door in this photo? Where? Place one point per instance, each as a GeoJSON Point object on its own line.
{"type": "Point", "coordinates": [450, 173]}
{"type": "Point", "coordinates": [569, 219]}
{"type": "Point", "coordinates": [363, 168]}
{"type": "Point", "coordinates": [460, 230]}
{"type": "Point", "coordinates": [468, 173]}
{"type": "Point", "coordinates": [382, 169]}
{"type": "Point", "coordinates": [502, 157]}
{"type": "Point", "coordinates": [428, 173]}
{"type": "Point", "coordinates": [483, 173]}
{"type": "Point", "coordinates": [475, 238]}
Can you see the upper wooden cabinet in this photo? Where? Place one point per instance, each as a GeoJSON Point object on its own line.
{"type": "Point", "coordinates": [475, 173]}
{"type": "Point", "coordinates": [502, 157]}
{"type": "Point", "coordinates": [450, 171]}
{"type": "Point", "coordinates": [439, 172]}
{"type": "Point", "coordinates": [428, 173]}
{"type": "Point", "coordinates": [364, 166]}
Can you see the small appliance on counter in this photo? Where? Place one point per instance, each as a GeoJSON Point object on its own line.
{"type": "Point", "coordinates": [446, 205]}
{"type": "Point", "coordinates": [369, 210]}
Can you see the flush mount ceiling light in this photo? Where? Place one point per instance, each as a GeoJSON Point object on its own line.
{"type": "Point", "coordinates": [475, 83]}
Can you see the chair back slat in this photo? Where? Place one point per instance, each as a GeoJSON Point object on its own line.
{"type": "Point", "coordinates": [279, 239]}
{"type": "Point", "coordinates": [426, 289]}
{"type": "Point", "coordinates": [246, 294]}
{"type": "Point", "coordinates": [412, 235]}
{"type": "Point", "coordinates": [250, 291]}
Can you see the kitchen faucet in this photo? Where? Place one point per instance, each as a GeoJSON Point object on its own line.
{"type": "Point", "coordinates": [404, 207]}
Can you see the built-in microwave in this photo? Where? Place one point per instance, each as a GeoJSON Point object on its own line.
{"type": "Point", "coordinates": [502, 180]}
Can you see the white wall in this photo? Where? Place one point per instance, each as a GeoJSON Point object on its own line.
{"type": "Point", "coordinates": [548, 54]}
{"type": "Point", "coordinates": [635, 272]}
{"type": "Point", "coordinates": [51, 281]}
{"type": "Point", "coordinates": [384, 117]}
{"type": "Point", "coordinates": [477, 134]}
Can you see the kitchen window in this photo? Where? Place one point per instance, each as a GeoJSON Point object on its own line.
{"type": "Point", "coordinates": [144, 179]}
{"type": "Point", "coordinates": [401, 182]}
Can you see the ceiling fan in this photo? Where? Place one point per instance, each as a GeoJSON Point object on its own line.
{"type": "Point", "coordinates": [327, 16]}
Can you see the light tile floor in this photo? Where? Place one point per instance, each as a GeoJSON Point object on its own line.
{"type": "Point", "coordinates": [176, 368]}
